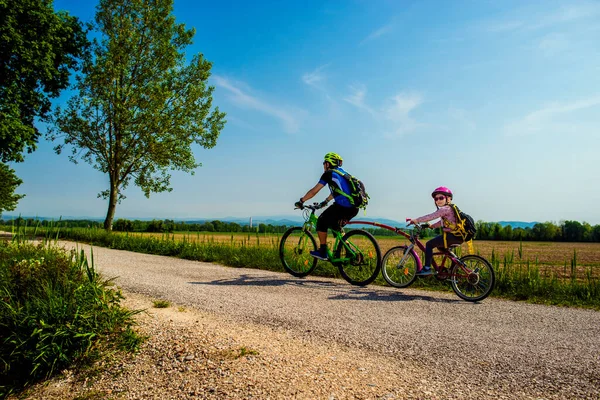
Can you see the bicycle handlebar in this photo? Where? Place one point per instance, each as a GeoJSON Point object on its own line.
{"type": "Point", "coordinates": [418, 227]}
{"type": "Point", "coordinates": [314, 207]}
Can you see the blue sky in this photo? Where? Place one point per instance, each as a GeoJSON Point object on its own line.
{"type": "Point", "coordinates": [498, 100]}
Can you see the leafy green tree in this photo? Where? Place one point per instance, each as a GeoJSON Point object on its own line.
{"type": "Point", "coordinates": [496, 231]}
{"type": "Point", "coordinates": [168, 225]}
{"type": "Point", "coordinates": [596, 233]}
{"type": "Point", "coordinates": [139, 226]}
{"type": "Point", "coordinates": [38, 51]}
{"type": "Point", "coordinates": [8, 183]}
{"type": "Point", "coordinates": [155, 226]}
{"type": "Point", "coordinates": [123, 225]}
{"type": "Point", "coordinates": [234, 227]}
{"type": "Point", "coordinates": [483, 230]}
{"type": "Point", "coordinates": [140, 107]}
{"type": "Point", "coordinates": [507, 233]}
{"type": "Point", "coordinates": [586, 232]}
{"type": "Point", "coordinates": [572, 231]}
{"type": "Point", "coordinates": [546, 231]}
{"type": "Point", "coordinates": [208, 227]}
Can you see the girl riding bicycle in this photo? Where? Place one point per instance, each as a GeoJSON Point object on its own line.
{"type": "Point", "coordinates": [442, 196]}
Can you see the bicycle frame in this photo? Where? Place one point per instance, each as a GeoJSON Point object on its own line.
{"type": "Point", "coordinates": [311, 222]}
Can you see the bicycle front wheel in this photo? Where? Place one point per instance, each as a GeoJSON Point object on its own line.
{"type": "Point", "coordinates": [360, 257]}
{"type": "Point", "coordinates": [399, 267]}
{"type": "Point", "coordinates": [474, 280]}
{"type": "Point", "coordinates": [294, 251]}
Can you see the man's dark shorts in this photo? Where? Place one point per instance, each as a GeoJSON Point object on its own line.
{"type": "Point", "coordinates": [333, 215]}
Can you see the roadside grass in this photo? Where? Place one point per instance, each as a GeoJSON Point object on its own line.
{"type": "Point", "coordinates": [161, 303]}
{"type": "Point", "coordinates": [55, 312]}
{"type": "Point", "coordinates": [235, 354]}
{"type": "Point", "coordinates": [244, 351]}
{"type": "Point", "coordinates": [518, 275]}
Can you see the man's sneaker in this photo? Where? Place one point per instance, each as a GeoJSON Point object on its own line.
{"type": "Point", "coordinates": [320, 254]}
{"type": "Point", "coordinates": [426, 270]}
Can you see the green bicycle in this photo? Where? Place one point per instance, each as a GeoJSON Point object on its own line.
{"type": "Point", "coordinates": [356, 253]}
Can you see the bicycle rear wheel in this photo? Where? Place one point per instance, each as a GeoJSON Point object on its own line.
{"type": "Point", "coordinates": [399, 269]}
{"type": "Point", "coordinates": [475, 280]}
{"type": "Point", "coordinates": [294, 251]}
{"type": "Point", "coordinates": [361, 257]}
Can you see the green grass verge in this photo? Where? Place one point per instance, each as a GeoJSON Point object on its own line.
{"type": "Point", "coordinates": [55, 312]}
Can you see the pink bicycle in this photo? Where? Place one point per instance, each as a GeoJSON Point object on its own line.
{"type": "Point", "coordinates": [472, 277]}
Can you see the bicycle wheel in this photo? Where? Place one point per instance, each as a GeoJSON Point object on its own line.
{"type": "Point", "coordinates": [362, 257]}
{"type": "Point", "coordinates": [399, 269]}
{"type": "Point", "coordinates": [475, 280]}
{"type": "Point", "coordinates": [294, 251]}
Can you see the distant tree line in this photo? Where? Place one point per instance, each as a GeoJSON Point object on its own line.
{"type": "Point", "coordinates": [67, 223]}
{"type": "Point", "coordinates": [566, 231]}
{"type": "Point", "coordinates": [162, 226]}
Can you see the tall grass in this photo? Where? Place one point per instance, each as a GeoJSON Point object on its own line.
{"type": "Point", "coordinates": [524, 279]}
{"type": "Point", "coordinates": [54, 311]}
{"type": "Point", "coordinates": [517, 278]}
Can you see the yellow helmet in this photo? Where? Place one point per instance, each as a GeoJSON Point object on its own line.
{"type": "Point", "coordinates": [334, 159]}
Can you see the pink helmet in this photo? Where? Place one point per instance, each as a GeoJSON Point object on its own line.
{"type": "Point", "coordinates": [442, 190]}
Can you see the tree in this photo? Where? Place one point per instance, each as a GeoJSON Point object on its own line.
{"type": "Point", "coordinates": [139, 107]}
{"type": "Point", "coordinates": [507, 232]}
{"type": "Point", "coordinates": [208, 227]}
{"type": "Point", "coordinates": [546, 231]}
{"type": "Point", "coordinates": [8, 183]}
{"type": "Point", "coordinates": [586, 232]}
{"type": "Point", "coordinates": [155, 226]}
{"type": "Point", "coordinates": [572, 231]}
{"type": "Point", "coordinates": [596, 233]}
{"type": "Point", "coordinates": [123, 225]}
{"type": "Point", "coordinates": [39, 49]}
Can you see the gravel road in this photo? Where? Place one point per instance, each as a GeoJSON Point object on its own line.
{"type": "Point", "coordinates": [494, 349]}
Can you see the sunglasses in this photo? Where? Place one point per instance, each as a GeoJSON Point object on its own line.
{"type": "Point", "coordinates": [438, 198]}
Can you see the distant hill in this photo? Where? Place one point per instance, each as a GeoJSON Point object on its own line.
{"type": "Point", "coordinates": [276, 220]}
{"type": "Point", "coordinates": [517, 224]}
{"type": "Point", "coordinates": [291, 221]}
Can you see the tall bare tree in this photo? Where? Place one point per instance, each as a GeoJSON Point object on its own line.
{"type": "Point", "coordinates": [140, 106]}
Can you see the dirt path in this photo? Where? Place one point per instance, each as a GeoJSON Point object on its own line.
{"type": "Point", "coordinates": [322, 338]}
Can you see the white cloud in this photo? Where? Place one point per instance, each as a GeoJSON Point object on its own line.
{"type": "Point", "coordinates": [395, 117]}
{"type": "Point", "coordinates": [532, 20]}
{"type": "Point", "coordinates": [568, 13]}
{"type": "Point", "coordinates": [402, 105]}
{"type": "Point", "coordinates": [553, 44]}
{"type": "Point", "coordinates": [316, 79]}
{"type": "Point", "coordinates": [357, 98]}
{"type": "Point", "coordinates": [399, 113]}
{"type": "Point", "coordinates": [244, 100]}
{"type": "Point", "coordinates": [377, 33]}
{"type": "Point", "coordinates": [547, 119]}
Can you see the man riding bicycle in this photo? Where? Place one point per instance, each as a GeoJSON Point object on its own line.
{"type": "Point", "coordinates": [342, 209]}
